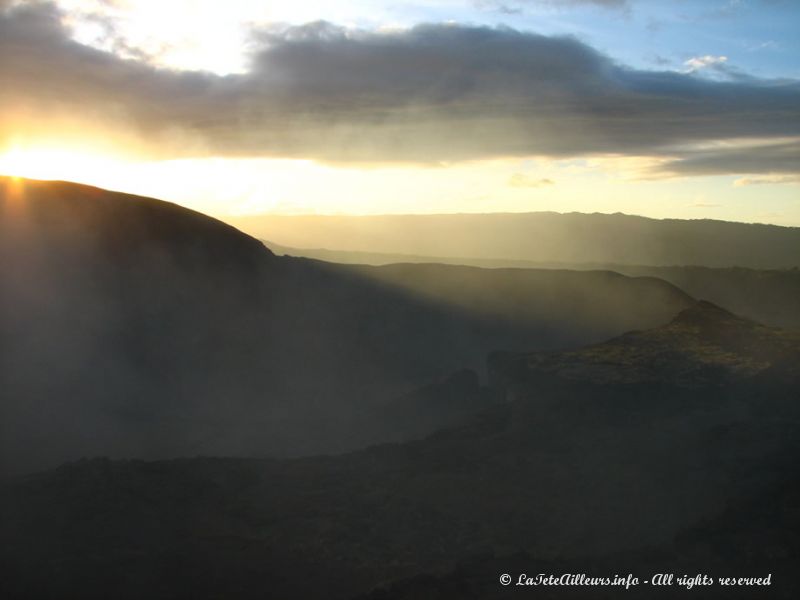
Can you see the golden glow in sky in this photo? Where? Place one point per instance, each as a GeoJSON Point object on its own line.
{"type": "Point", "coordinates": [131, 118]}
{"type": "Point", "coordinates": [238, 187]}
{"type": "Point", "coordinates": [58, 163]}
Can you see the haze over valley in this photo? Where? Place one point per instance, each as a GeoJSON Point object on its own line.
{"type": "Point", "coordinates": [136, 329]}
{"type": "Point", "coordinates": [200, 340]}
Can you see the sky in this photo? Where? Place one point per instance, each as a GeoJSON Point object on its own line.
{"type": "Point", "coordinates": [680, 109]}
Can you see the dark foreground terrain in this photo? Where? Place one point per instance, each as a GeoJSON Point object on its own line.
{"type": "Point", "coordinates": [668, 450]}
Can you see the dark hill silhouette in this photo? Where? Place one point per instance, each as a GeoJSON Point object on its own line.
{"type": "Point", "coordinates": [542, 237]}
{"type": "Point", "coordinates": [703, 345]}
{"type": "Point", "coordinates": [51, 213]}
{"type": "Point", "coordinates": [575, 474]}
{"type": "Point", "coordinates": [131, 327]}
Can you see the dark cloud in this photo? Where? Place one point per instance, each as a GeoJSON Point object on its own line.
{"type": "Point", "coordinates": [432, 93]}
{"type": "Point", "coordinates": [771, 158]}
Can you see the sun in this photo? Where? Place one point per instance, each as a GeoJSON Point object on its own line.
{"type": "Point", "coordinates": [56, 163]}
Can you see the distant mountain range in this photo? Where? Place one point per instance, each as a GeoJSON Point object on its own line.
{"type": "Point", "coordinates": [131, 327]}
{"type": "Point", "coordinates": [572, 238]}
{"type": "Point", "coordinates": [667, 450]}
{"type": "Point", "coordinates": [766, 295]}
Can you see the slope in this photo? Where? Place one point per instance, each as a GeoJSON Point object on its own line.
{"type": "Point", "coordinates": [135, 328]}
{"type": "Point", "coordinates": [579, 474]}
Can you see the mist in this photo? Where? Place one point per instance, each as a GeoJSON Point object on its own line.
{"type": "Point", "coordinates": [134, 328]}
{"type": "Point", "coordinates": [553, 238]}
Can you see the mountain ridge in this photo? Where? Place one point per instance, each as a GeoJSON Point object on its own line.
{"type": "Point", "coordinates": [702, 343]}
{"type": "Point", "coordinates": [164, 332]}
{"type": "Point", "coordinates": [767, 296]}
{"type": "Point", "coordinates": [542, 237]}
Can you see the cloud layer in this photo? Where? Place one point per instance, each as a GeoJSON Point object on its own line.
{"type": "Point", "coordinates": [432, 93]}
{"type": "Point", "coordinates": [778, 158]}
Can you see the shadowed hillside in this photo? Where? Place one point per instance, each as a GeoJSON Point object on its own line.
{"type": "Point", "coordinates": [574, 473]}
{"type": "Point", "coordinates": [705, 345]}
{"type": "Point", "coordinates": [135, 328]}
{"type": "Point", "coordinates": [768, 295]}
